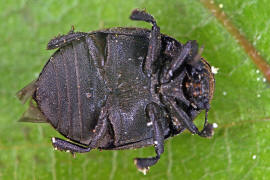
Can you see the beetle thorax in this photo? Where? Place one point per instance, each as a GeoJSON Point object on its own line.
{"type": "Point", "coordinates": [193, 86]}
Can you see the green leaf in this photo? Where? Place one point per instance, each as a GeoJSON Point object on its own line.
{"type": "Point", "coordinates": [239, 148]}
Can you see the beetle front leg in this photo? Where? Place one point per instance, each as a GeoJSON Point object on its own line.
{"type": "Point", "coordinates": [63, 40]}
{"type": "Point", "coordinates": [187, 50]}
{"type": "Point", "coordinates": [154, 46]}
{"type": "Point", "coordinates": [184, 117]}
{"type": "Point", "coordinates": [207, 130]}
{"type": "Point", "coordinates": [143, 164]}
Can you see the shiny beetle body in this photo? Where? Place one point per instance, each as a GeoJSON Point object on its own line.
{"type": "Point", "coordinates": [121, 88]}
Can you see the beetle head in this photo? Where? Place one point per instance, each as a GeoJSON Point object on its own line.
{"type": "Point", "coordinates": [199, 84]}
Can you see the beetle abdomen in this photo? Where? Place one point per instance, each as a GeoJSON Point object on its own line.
{"type": "Point", "coordinates": [67, 92]}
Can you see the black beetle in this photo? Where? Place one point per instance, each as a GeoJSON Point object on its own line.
{"type": "Point", "coordinates": [121, 88]}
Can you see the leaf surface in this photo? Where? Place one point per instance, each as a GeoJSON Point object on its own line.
{"type": "Point", "coordinates": [239, 148]}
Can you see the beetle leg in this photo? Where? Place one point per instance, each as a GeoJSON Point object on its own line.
{"type": "Point", "coordinates": [174, 89]}
{"type": "Point", "coordinates": [184, 117]}
{"type": "Point", "coordinates": [143, 164]}
{"type": "Point", "coordinates": [62, 145]}
{"type": "Point", "coordinates": [154, 46]}
{"type": "Point", "coordinates": [208, 130]}
{"type": "Point", "coordinates": [101, 127]}
{"type": "Point", "coordinates": [63, 40]}
{"type": "Point", "coordinates": [178, 60]}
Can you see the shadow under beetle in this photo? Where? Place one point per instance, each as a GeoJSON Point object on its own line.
{"type": "Point", "coordinates": [121, 88]}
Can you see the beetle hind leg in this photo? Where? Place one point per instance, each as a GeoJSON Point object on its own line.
{"type": "Point", "coordinates": [62, 145]}
{"type": "Point", "coordinates": [143, 164]}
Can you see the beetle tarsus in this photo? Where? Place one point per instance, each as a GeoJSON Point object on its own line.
{"type": "Point", "coordinates": [62, 145]}
{"type": "Point", "coordinates": [142, 15]}
{"type": "Point", "coordinates": [208, 131]}
{"type": "Point", "coordinates": [144, 164]}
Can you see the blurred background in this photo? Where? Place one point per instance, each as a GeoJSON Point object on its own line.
{"type": "Point", "coordinates": [241, 107]}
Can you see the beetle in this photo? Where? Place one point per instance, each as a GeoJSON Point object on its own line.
{"type": "Point", "coordinates": [121, 88]}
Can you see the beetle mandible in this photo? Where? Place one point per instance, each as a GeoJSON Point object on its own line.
{"type": "Point", "coordinates": [121, 88]}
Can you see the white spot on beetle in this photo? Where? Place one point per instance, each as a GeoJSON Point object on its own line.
{"type": "Point", "coordinates": [149, 124]}
{"type": "Point", "coordinates": [120, 85]}
{"type": "Point", "coordinates": [140, 58]}
{"type": "Point", "coordinates": [88, 95]}
{"type": "Point", "coordinates": [155, 142]}
{"type": "Point", "coordinates": [67, 151]}
{"type": "Point", "coordinates": [214, 69]}
{"type": "Point", "coordinates": [193, 105]}
{"type": "Point", "coordinates": [170, 73]}
{"type": "Point", "coordinates": [144, 171]}
{"type": "Point", "coordinates": [129, 59]}
{"type": "Point", "coordinates": [53, 140]}
{"type": "Point", "coordinates": [215, 125]}
{"type": "Point", "coordinates": [55, 149]}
